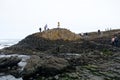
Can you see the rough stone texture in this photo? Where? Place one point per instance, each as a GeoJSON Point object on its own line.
{"type": "Point", "coordinates": [43, 41]}
{"type": "Point", "coordinates": [46, 66]}
{"type": "Point", "coordinates": [9, 62]}
{"type": "Point", "coordinates": [59, 33]}
{"type": "Point", "coordinates": [91, 58]}
{"type": "Point", "coordinates": [9, 65]}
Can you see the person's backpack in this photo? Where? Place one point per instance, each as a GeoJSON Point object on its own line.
{"type": "Point", "coordinates": [116, 39]}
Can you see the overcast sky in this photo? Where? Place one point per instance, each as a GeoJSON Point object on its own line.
{"type": "Point", "coordinates": [19, 18]}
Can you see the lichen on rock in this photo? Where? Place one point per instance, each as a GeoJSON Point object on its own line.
{"type": "Point", "coordinates": [58, 33]}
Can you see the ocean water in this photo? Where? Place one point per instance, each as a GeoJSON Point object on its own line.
{"type": "Point", "coordinates": [6, 43]}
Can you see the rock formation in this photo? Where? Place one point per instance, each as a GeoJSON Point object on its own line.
{"type": "Point", "coordinates": [9, 62]}
{"type": "Point", "coordinates": [43, 41]}
{"type": "Point", "coordinates": [59, 54]}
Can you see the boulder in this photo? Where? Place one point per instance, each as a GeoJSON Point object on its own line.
{"type": "Point", "coordinates": [44, 66]}
{"type": "Point", "coordinates": [6, 62]}
{"type": "Point", "coordinates": [9, 65]}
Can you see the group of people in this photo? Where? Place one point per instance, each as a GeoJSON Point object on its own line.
{"type": "Point", "coordinates": [114, 40]}
{"type": "Point", "coordinates": [45, 28]}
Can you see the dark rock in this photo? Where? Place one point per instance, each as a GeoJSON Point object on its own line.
{"type": "Point", "coordinates": [46, 66]}
{"type": "Point", "coordinates": [54, 56]}
{"type": "Point", "coordinates": [43, 41]}
{"type": "Point", "coordinates": [9, 62]}
{"type": "Point", "coordinates": [9, 65]}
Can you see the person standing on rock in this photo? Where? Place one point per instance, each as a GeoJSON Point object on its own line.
{"type": "Point", "coordinates": [99, 32]}
{"type": "Point", "coordinates": [45, 27]}
{"type": "Point", "coordinates": [40, 29]}
{"type": "Point", "coordinates": [114, 41]}
{"type": "Point", "coordinates": [58, 25]}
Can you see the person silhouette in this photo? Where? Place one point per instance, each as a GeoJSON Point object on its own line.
{"type": "Point", "coordinates": [45, 27]}
{"type": "Point", "coordinates": [58, 25]}
{"type": "Point", "coordinates": [115, 41]}
{"type": "Point", "coordinates": [40, 29]}
{"type": "Point", "coordinates": [99, 32]}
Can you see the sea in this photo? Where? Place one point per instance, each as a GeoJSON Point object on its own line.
{"type": "Point", "coordinates": [7, 43]}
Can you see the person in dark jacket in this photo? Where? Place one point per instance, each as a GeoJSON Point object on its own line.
{"type": "Point", "coordinates": [115, 41]}
{"type": "Point", "coordinates": [40, 29]}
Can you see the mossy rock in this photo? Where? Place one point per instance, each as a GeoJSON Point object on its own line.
{"type": "Point", "coordinates": [58, 33]}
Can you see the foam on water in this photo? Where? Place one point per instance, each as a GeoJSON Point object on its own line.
{"type": "Point", "coordinates": [22, 64]}
{"type": "Point", "coordinates": [9, 77]}
{"type": "Point", "coordinates": [23, 57]}
{"type": "Point", "coordinates": [6, 43]}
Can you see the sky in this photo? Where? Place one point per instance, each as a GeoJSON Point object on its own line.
{"type": "Point", "coordinates": [20, 18]}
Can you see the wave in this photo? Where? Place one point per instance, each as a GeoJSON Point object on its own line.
{"type": "Point", "coordinates": [8, 42]}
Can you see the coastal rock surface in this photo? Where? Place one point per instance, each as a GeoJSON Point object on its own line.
{"type": "Point", "coordinates": [59, 54]}
{"type": "Point", "coordinates": [43, 41]}
{"type": "Point", "coordinates": [8, 62]}
{"type": "Point", "coordinates": [44, 66]}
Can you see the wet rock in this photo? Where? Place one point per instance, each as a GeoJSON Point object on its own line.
{"type": "Point", "coordinates": [45, 66]}
{"type": "Point", "coordinates": [7, 62]}
{"type": "Point", "coordinates": [61, 56]}
{"type": "Point", "coordinates": [9, 65]}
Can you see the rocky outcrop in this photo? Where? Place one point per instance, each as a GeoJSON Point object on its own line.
{"type": "Point", "coordinates": [9, 62]}
{"type": "Point", "coordinates": [44, 66]}
{"type": "Point", "coordinates": [95, 65]}
{"type": "Point", "coordinates": [9, 65]}
{"type": "Point", "coordinates": [43, 41]}
{"type": "Point", "coordinates": [59, 34]}
{"type": "Point", "coordinates": [59, 54]}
